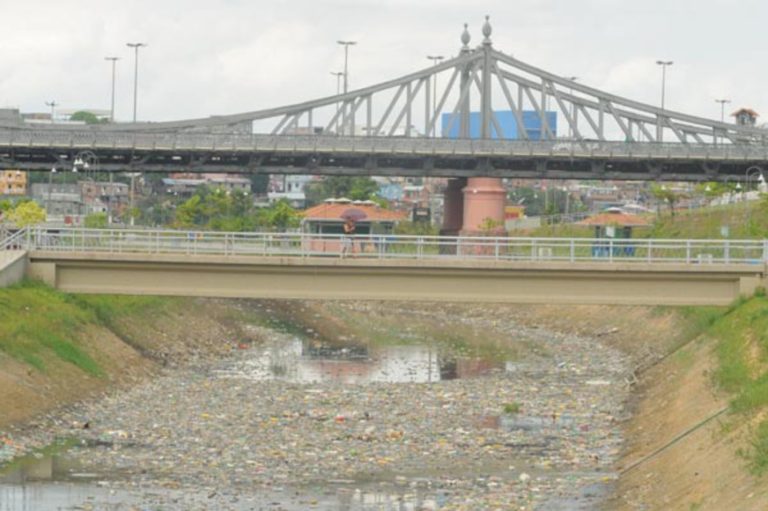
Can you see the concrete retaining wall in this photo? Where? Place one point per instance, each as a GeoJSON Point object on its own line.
{"type": "Point", "coordinates": [13, 266]}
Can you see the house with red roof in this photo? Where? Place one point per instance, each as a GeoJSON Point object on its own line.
{"type": "Point", "coordinates": [327, 219]}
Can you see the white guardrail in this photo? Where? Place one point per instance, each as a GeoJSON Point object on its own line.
{"type": "Point", "coordinates": [116, 241]}
{"type": "Point", "coordinates": [321, 144]}
{"type": "Point", "coordinates": [17, 240]}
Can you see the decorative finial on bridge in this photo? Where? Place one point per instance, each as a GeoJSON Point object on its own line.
{"type": "Point", "coordinates": [487, 30]}
{"type": "Point", "coordinates": [465, 37]}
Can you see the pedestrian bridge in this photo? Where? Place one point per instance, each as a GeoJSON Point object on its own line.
{"type": "Point", "coordinates": [420, 268]}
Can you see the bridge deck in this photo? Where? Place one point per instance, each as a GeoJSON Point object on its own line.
{"type": "Point", "coordinates": [422, 280]}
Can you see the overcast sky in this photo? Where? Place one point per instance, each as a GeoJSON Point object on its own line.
{"type": "Point", "coordinates": [226, 56]}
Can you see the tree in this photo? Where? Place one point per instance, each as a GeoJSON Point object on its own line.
{"type": "Point", "coordinates": [96, 221]}
{"type": "Point", "coordinates": [663, 194]}
{"type": "Point", "coordinates": [87, 117]}
{"type": "Point", "coordinates": [189, 214]}
{"type": "Point", "coordinates": [27, 213]}
{"type": "Point", "coordinates": [355, 188]}
{"type": "Point", "coordinates": [279, 216]}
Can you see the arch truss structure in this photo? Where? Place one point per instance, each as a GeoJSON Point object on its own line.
{"type": "Point", "coordinates": [480, 113]}
{"type": "Point", "coordinates": [413, 105]}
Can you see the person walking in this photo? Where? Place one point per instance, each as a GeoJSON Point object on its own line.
{"type": "Point", "coordinates": [347, 243]}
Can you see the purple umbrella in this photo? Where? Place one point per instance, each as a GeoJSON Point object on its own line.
{"type": "Point", "coordinates": [353, 214]}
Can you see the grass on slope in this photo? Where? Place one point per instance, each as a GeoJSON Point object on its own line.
{"type": "Point", "coordinates": [741, 332]}
{"type": "Point", "coordinates": [743, 220]}
{"type": "Point", "coordinates": [38, 323]}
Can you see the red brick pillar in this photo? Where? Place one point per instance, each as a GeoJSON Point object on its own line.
{"type": "Point", "coordinates": [484, 197]}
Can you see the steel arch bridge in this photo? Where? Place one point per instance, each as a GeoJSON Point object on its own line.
{"type": "Point", "coordinates": [392, 128]}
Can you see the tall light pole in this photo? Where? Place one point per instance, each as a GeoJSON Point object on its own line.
{"type": "Point", "coordinates": [53, 106]}
{"type": "Point", "coordinates": [338, 75]}
{"type": "Point", "coordinates": [346, 45]}
{"type": "Point", "coordinates": [436, 59]}
{"type": "Point", "coordinates": [663, 64]}
{"type": "Point", "coordinates": [722, 107]}
{"type": "Point", "coordinates": [135, 47]}
{"type": "Point", "coordinates": [112, 103]}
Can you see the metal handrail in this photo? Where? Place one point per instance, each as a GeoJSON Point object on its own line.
{"type": "Point", "coordinates": [322, 144]}
{"type": "Point", "coordinates": [15, 240]}
{"type": "Point", "coordinates": [385, 246]}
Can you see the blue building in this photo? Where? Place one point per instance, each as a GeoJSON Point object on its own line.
{"type": "Point", "coordinates": [507, 122]}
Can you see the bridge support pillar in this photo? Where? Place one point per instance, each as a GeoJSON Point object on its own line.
{"type": "Point", "coordinates": [484, 200]}
{"type": "Point", "coordinates": [453, 207]}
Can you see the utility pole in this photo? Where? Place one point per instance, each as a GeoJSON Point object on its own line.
{"type": "Point", "coordinates": [722, 107]}
{"type": "Point", "coordinates": [53, 106]}
{"type": "Point", "coordinates": [135, 47]}
{"type": "Point", "coordinates": [112, 103]}
{"type": "Point", "coordinates": [659, 126]}
{"type": "Point", "coordinates": [436, 59]}
{"type": "Point", "coordinates": [346, 45]}
{"type": "Point", "coordinates": [722, 113]}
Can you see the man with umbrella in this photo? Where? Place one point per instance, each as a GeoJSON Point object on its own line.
{"type": "Point", "coordinates": [350, 217]}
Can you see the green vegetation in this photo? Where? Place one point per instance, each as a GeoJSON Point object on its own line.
{"type": "Point", "coordinates": [36, 321]}
{"type": "Point", "coordinates": [38, 324]}
{"type": "Point", "coordinates": [512, 408]}
{"type": "Point", "coordinates": [96, 221]}
{"type": "Point", "coordinates": [26, 213]}
{"type": "Point", "coordinates": [741, 333]}
{"type": "Point", "coordinates": [741, 220]}
{"type": "Point", "coordinates": [354, 188]}
{"type": "Point", "coordinates": [88, 117]}
{"type": "Point", "coordinates": [416, 229]}
{"type": "Point", "coordinates": [218, 210]}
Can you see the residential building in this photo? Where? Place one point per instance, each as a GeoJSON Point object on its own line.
{"type": "Point", "coordinates": [13, 182]}
{"type": "Point", "coordinates": [186, 184]}
{"type": "Point", "coordinates": [290, 187]}
{"type": "Point", "coordinates": [103, 196]}
{"type": "Point", "coordinates": [59, 199]}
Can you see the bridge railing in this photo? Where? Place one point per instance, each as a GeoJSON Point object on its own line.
{"type": "Point", "coordinates": [13, 241]}
{"type": "Point", "coordinates": [321, 144]}
{"type": "Point", "coordinates": [394, 247]}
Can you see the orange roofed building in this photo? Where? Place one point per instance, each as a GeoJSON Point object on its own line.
{"type": "Point", "coordinates": [369, 217]}
{"type": "Point", "coordinates": [614, 223]}
{"type": "Point", "coordinates": [329, 217]}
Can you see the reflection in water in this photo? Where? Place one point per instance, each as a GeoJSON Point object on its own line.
{"type": "Point", "coordinates": [47, 484]}
{"type": "Point", "coordinates": [301, 361]}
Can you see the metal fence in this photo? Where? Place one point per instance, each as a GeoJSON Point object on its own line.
{"type": "Point", "coordinates": [390, 246]}
{"type": "Point", "coordinates": [12, 241]}
{"type": "Point", "coordinates": [320, 144]}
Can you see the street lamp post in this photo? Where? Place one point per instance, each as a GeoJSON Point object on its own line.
{"type": "Point", "coordinates": [722, 107]}
{"type": "Point", "coordinates": [135, 47]}
{"type": "Point", "coordinates": [50, 187]}
{"type": "Point", "coordinates": [112, 103]}
{"type": "Point", "coordinates": [722, 112]}
{"type": "Point", "coordinates": [88, 162]}
{"type": "Point", "coordinates": [53, 106]}
{"type": "Point", "coordinates": [436, 59]}
{"type": "Point", "coordinates": [663, 64]}
{"type": "Point", "coordinates": [346, 45]}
